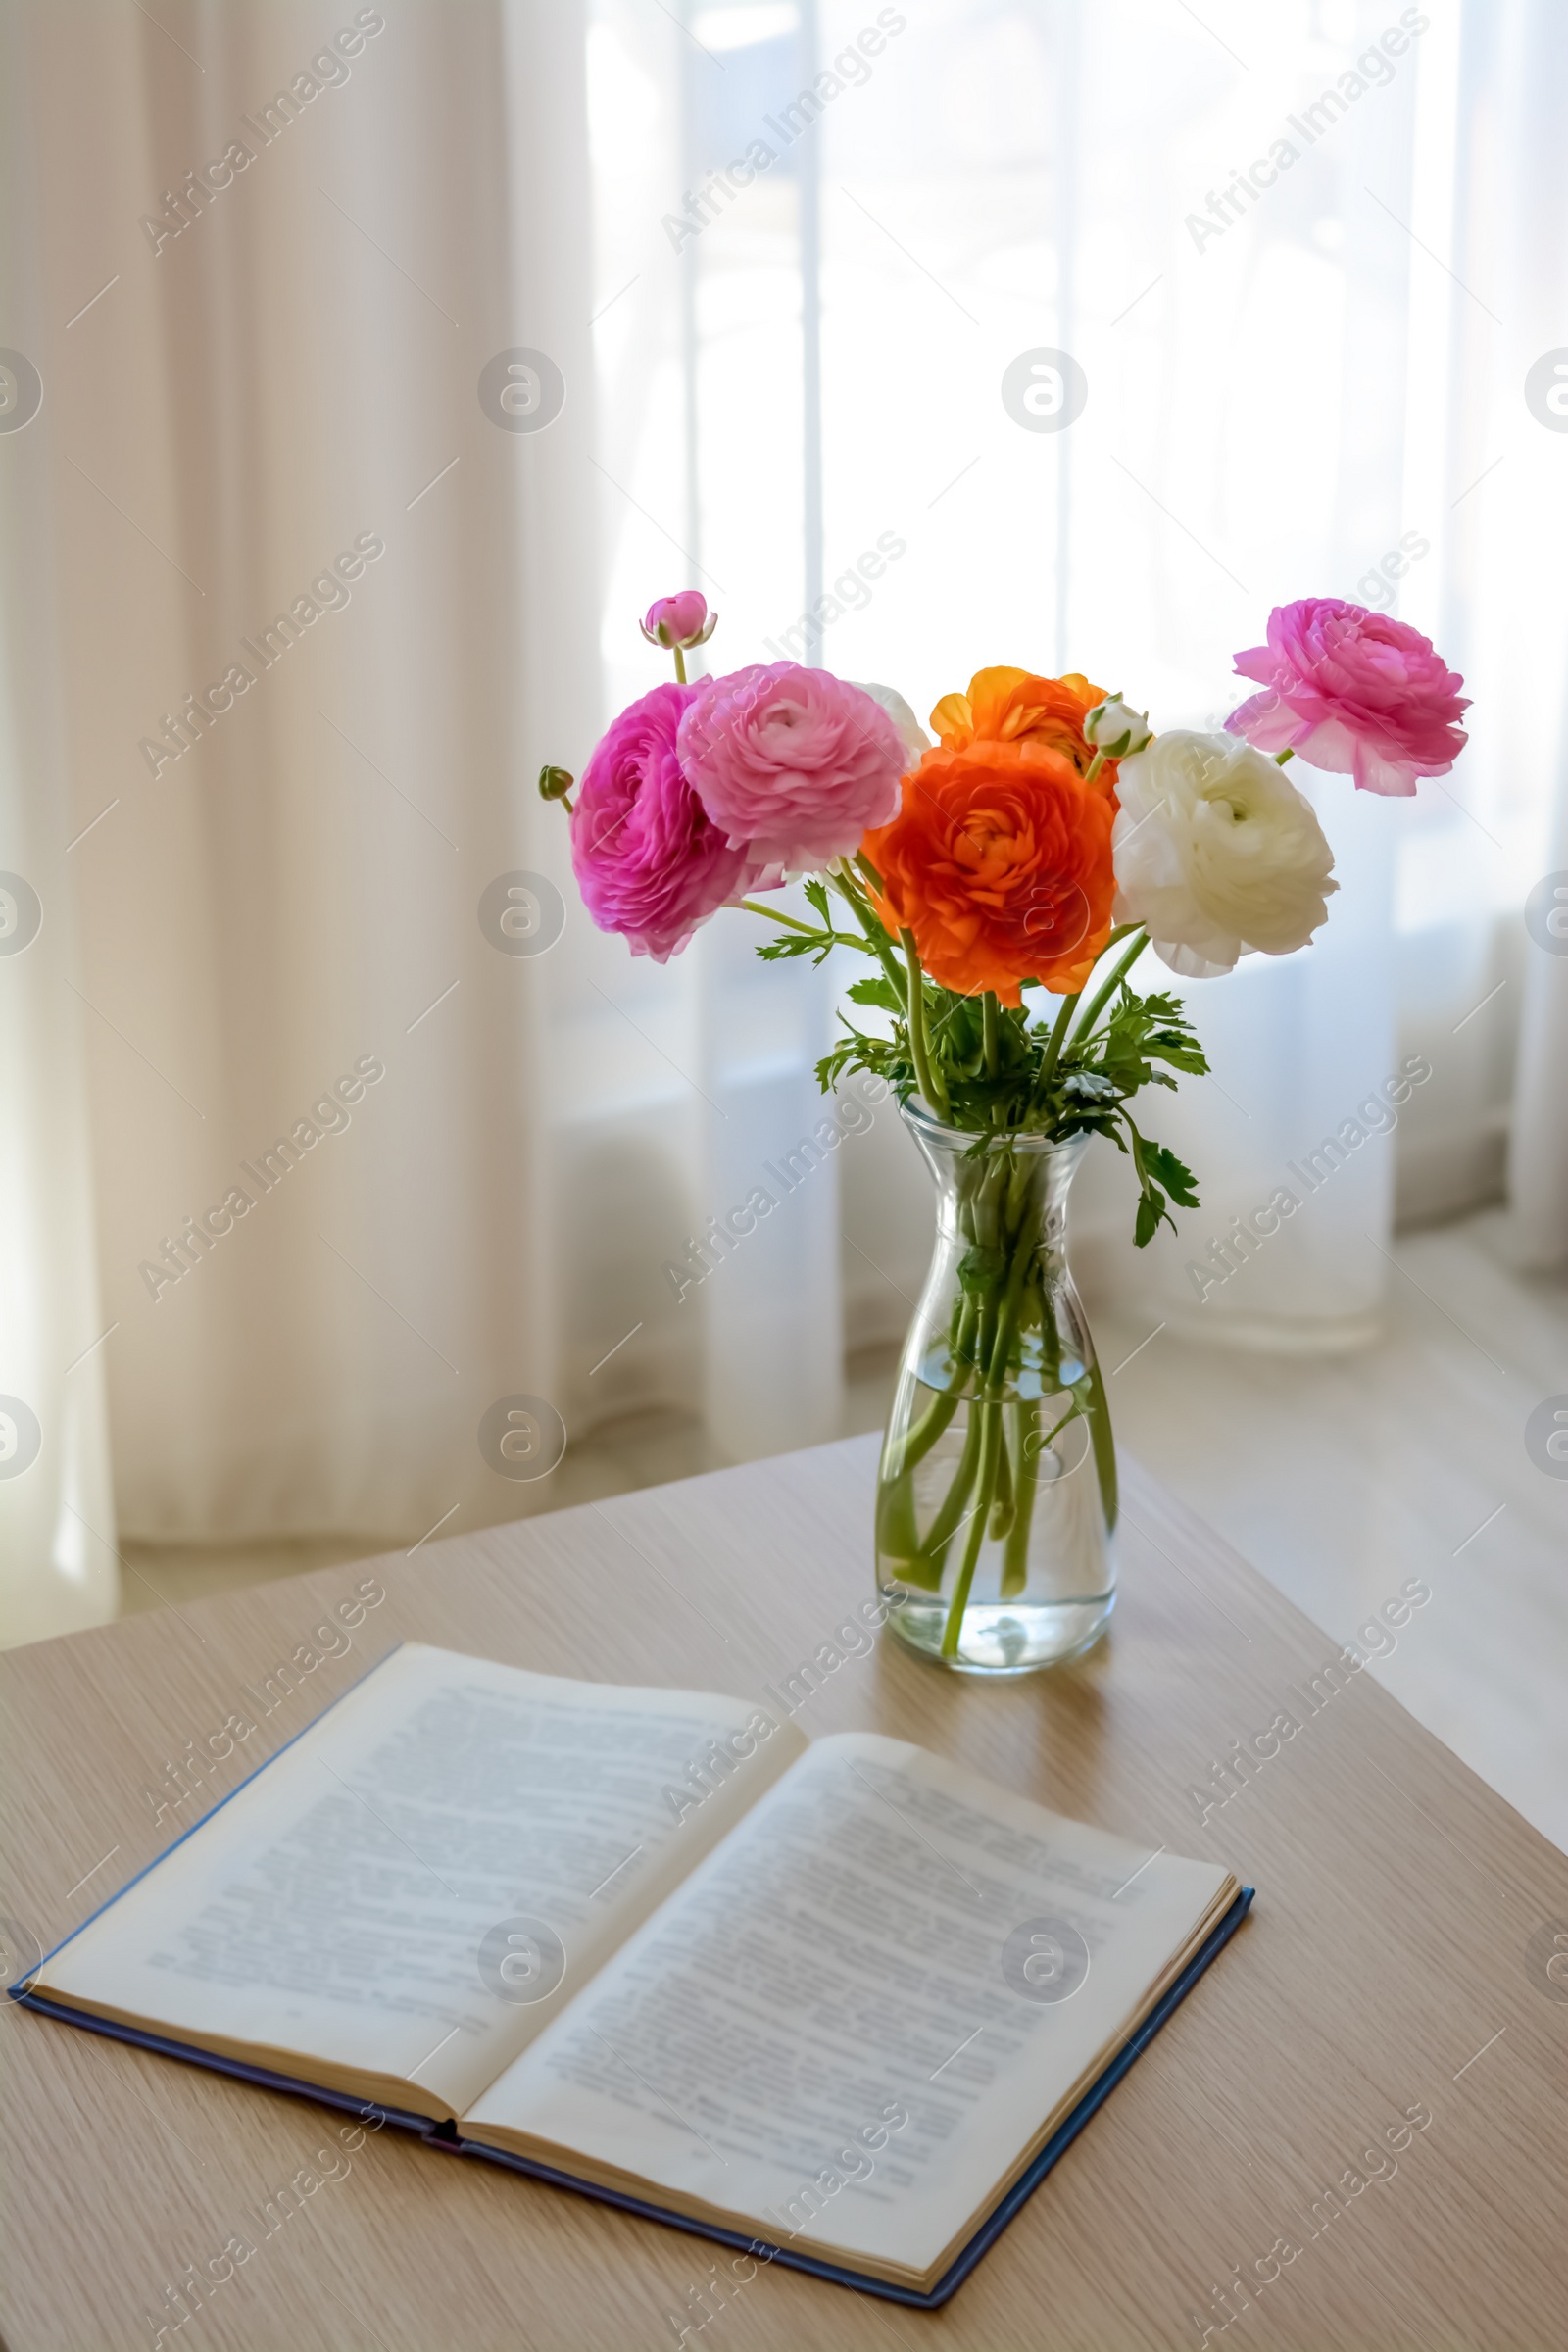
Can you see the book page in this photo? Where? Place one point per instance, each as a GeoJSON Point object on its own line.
{"type": "Point", "coordinates": [422, 1879]}
{"type": "Point", "coordinates": [850, 2023]}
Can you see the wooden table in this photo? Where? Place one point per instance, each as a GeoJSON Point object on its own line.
{"type": "Point", "coordinates": [1396, 1958]}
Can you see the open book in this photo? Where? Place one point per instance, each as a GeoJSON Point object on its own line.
{"type": "Point", "coordinates": [840, 2001]}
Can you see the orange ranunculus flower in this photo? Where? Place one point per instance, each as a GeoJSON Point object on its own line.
{"type": "Point", "coordinates": [998, 861]}
{"type": "Point", "coordinates": [1013, 706]}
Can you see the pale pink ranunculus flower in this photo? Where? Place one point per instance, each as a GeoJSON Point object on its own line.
{"type": "Point", "coordinates": [1354, 692]}
{"type": "Point", "coordinates": [792, 765]}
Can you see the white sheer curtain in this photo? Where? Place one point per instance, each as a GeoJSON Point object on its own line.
{"type": "Point", "coordinates": [1512, 203]}
{"type": "Point", "coordinates": [1297, 384]}
{"type": "Point", "coordinates": [1538, 1156]}
{"type": "Point", "coordinates": [783, 385]}
{"type": "Point", "coordinates": [57, 1522]}
{"type": "Point", "coordinates": [235, 411]}
{"type": "Point", "coordinates": [976, 182]}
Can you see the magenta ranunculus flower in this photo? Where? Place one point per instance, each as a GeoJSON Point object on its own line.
{"type": "Point", "coordinates": [648, 861]}
{"type": "Point", "coordinates": [682, 620]}
{"type": "Point", "coordinates": [790, 762]}
{"type": "Point", "coordinates": [1354, 692]}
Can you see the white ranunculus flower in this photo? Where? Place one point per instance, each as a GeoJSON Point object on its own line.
{"type": "Point", "coordinates": [1217, 854]}
{"type": "Point", "coordinates": [914, 737]}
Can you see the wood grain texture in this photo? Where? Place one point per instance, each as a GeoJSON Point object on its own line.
{"type": "Point", "coordinates": [1389, 1944]}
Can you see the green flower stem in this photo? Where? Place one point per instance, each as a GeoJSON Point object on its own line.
{"type": "Point", "coordinates": [1049, 1349]}
{"type": "Point", "coordinates": [988, 1417]}
{"type": "Point", "coordinates": [680, 664]}
{"type": "Point", "coordinates": [791, 922]}
{"type": "Point", "coordinates": [1093, 767]}
{"type": "Point", "coordinates": [897, 1536]}
{"type": "Point", "coordinates": [1103, 996]}
{"type": "Point", "coordinates": [987, 1202]}
{"type": "Point", "coordinates": [1075, 1411]}
{"type": "Point", "coordinates": [1032, 1447]}
{"type": "Point", "coordinates": [989, 1320]}
{"type": "Point", "coordinates": [944, 1526]}
{"type": "Point", "coordinates": [776, 914]}
{"type": "Point", "coordinates": [1012, 1497]}
{"type": "Point", "coordinates": [993, 1365]}
{"type": "Point", "coordinates": [990, 1020]}
{"type": "Point", "coordinates": [849, 886]}
{"type": "Point", "coordinates": [1096, 1412]}
{"type": "Point", "coordinates": [917, 1569]}
{"type": "Point", "coordinates": [1053, 1045]}
{"type": "Point", "coordinates": [940, 1532]}
{"type": "Point", "coordinates": [1003, 1502]}
{"type": "Point", "coordinates": [1018, 1190]}
{"type": "Point", "coordinates": [935, 1092]}
{"type": "Point", "coordinates": [1280, 758]}
{"type": "Point", "coordinates": [939, 1413]}
{"type": "Point", "coordinates": [937, 1417]}
{"type": "Point", "coordinates": [877, 939]}
{"type": "Point", "coordinates": [1058, 1034]}
{"type": "Point", "coordinates": [1023, 1416]}
{"type": "Point", "coordinates": [986, 1481]}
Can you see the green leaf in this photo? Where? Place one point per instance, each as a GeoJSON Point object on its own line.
{"type": "Point", "coordinates": [1090, 1122]}
{"type": "Point", "coordinates": [875, 991]}
{"type": "Point", "coordinates": [791, 942]}
{"type": "Point", "coordinates": [1178, 1180]}
{"type": "Point", "coordinates": [1182, 1053]}
{"type": "Point", "coordinates": [1151, 1160]}
{"type": "Point", "coordinates": [1151, 1215]}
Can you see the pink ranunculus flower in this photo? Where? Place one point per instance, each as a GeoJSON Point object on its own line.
{"type": "Point", "coordinates": [648, 861]}
{"type": "Point", "coordinates": [790, 764]}
{"type": "Point", "coordinates": [682, 620]}
{"type": "Point", "coordinates": [1354, 692]}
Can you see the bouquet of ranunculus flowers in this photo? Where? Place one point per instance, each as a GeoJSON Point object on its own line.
{"type": "Point", "coordinates": [1046, 828]}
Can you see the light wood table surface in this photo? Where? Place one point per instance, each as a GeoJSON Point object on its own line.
{"type": "Point", "coordinates": [1396, 1958]}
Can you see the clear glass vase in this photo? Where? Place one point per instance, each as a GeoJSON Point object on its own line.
{"type": "Point", "coordinates": [997, 1490]}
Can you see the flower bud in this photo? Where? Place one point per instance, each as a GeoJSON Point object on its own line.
{"type": "Point", "coordinates": [554, 783]}
{"type": "Point", "coordinates": [1117, 730]}
{"type": "Point", "coordinates": [682, 620]}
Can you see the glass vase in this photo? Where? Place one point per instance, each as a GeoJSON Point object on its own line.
{"type": "Point", "coordinates": [997, 1489]}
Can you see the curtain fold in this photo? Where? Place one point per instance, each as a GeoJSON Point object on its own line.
{"type": "Point", "coordinates": [1539, 1145]}
{"type": "Point", "coordinates": [1536, 65]}
{"type": "Point", "coordinates": [57, 1512]}
{"type": "Point", "coordinates": [323, 1192]}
